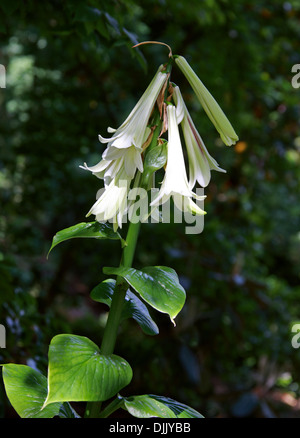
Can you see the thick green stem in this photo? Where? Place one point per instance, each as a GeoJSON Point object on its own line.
{"type": "Point", "coordinates": [111, 329]}
{"type": "Point", "coordinates": [114, 316]}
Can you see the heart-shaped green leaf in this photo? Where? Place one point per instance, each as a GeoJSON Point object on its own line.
{"type": "Point", "coordinates": [133, 306]}
{"type": "Point", "coordinates": [148, 405]}
{"type": "Point", "coordinates": [79, 372]}
{"type": "Point", "coordinates": [93, 230]}
{"type": "Point", "coordinates": [157, 285]}
{"type": "Point", "coordinates": [26, 389]}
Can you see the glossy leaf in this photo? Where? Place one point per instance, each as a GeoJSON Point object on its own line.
{"type": "Point", "coordinates": [148, 405]}
{"type": "Point", "coordinates": [157, 285]}
{"type": "Point", "coordinates": [93, 230]}
{"type": "Point", "coordinates": [133, 306]}
{"type": "Point", "coordinates": [26, 389]}
{"type": "Point", "coordinates": [79, 372]}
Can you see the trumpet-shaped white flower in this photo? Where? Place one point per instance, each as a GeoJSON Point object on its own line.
{"type": "Point", "coordinates": [132, 130]}
{"type": "Point", "coordinates": [200, 161]}
{"type": "Point", "coordinates": [175, 182]}
{"type": "Point", "coordinates": [208, 102]}
{"type": "Point", "coordinates": [125, 146]}
{"type": "Point", "coordinates": [112, 202]}
{"type": "Point", "coordinates": [123, 156]}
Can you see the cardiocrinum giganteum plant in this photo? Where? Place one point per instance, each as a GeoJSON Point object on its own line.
{"type": "Point", "coordinates": [147, 141]}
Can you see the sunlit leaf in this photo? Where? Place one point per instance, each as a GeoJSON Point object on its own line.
{"type": "Point", "coordinates": [79, 372]}
{"type": "Point", "coordinates": [26, 389]}
{"type": "Point", "coordinates": [93, 230]}
{"type": "Point", "coordinates": [157, 285]}
{"type": "Point", "coordinates": [148, 405]}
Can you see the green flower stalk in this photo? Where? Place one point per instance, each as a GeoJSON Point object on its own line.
{"type": "Point", "coordinates": [210, 106]}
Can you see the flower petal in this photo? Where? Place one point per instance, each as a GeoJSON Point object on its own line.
{"type": "Point", "coordinates": [211, 107]}
{"type": "Point", "coordinates": [175, 181]}
{"type": "Point", "coordinates": [200, 161]}
{"type": "Point", "coordinates": [132, 130]}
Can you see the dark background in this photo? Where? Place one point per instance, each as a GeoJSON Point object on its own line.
{"type": "Point", "coordinates": [70, 73]}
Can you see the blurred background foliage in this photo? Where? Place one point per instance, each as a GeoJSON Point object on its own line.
{"type": "Point", "coordinates": [70, 73]}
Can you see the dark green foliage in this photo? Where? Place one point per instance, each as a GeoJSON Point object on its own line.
{"type": "Point", "coordinates": [70, 73]}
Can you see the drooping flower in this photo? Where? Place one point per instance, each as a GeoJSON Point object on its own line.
{"type": "Point", "coordinates": [124, 147]}
{"type": "Point", "coordinates": [112, 202]}
{"type": "Point", "coordinates": [123, 156]}
{"type": "Point", "coordinates": [132, 130]}
{"type": "Point", "coordinates": [175, 182]}
{"type": "Point", "coordinates": [200, 161]}
{"type": "Point", "coordinates": [211, 107]}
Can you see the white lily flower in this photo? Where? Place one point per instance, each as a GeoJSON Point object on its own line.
{"type": "Point", "coordinates": [175, 182]}
{"type": "Point", "coordinates": [200, 161]}
{"type": "Point", "coordinates": [211, 107]}
{"type": "Point", "coordinates": [112, 202]}
{"type": "Point", "coordinates": [113, 159]}
{"type": "Point", "coordinates": [123, 156]}
{"type": "Point", "coordinates": [132, 130]}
